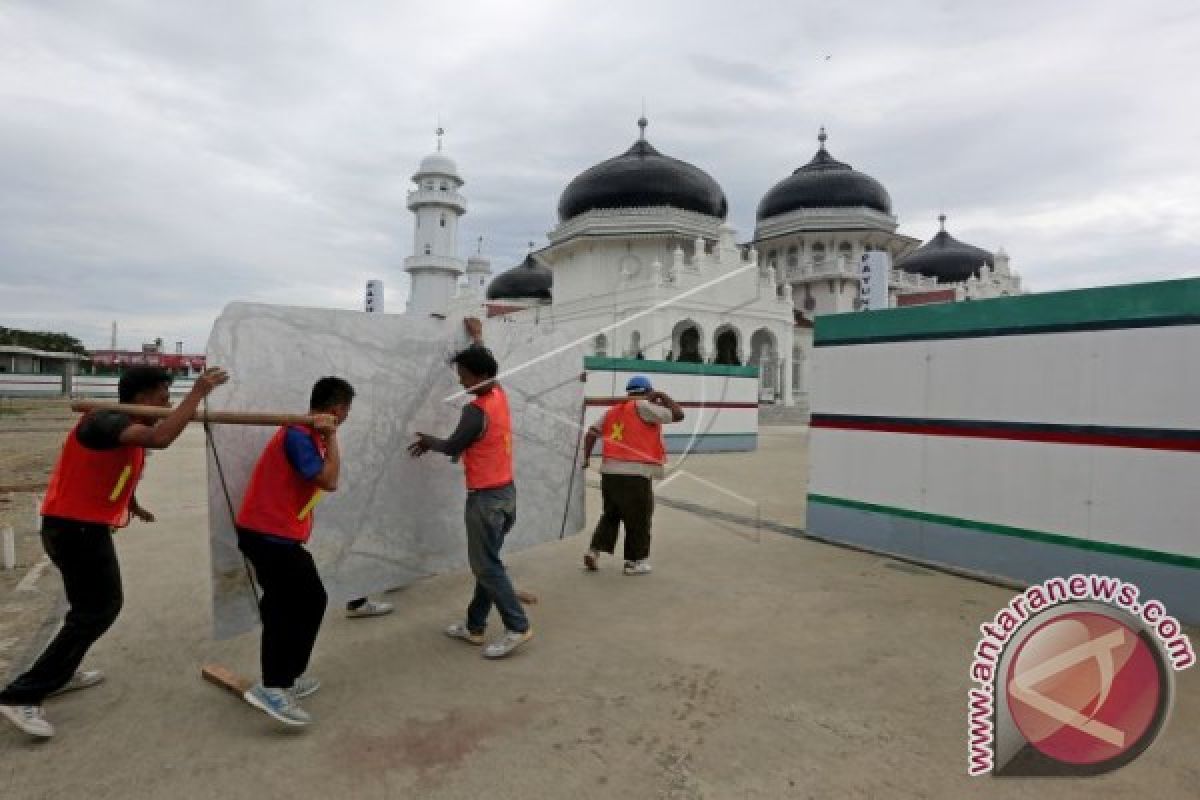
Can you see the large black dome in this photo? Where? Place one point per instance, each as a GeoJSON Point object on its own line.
{"type": "Point", "coordinates": [824, 182]}
{"type": "Point", "coordinates": [527, 280]}
{"type": "Point", "coordinates": [946, 258]}
{"type": "Point", "coordinates": [642, 177]}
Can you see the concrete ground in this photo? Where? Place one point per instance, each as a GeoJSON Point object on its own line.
{"type": "Point", "coordinates": [752, 664]}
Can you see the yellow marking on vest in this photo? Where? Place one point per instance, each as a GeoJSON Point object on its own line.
{"type": "Point", "coordinates": [618, 432]}
{"type": "Point", "coordinates": [310, 505]}
{"type": "Point", "coordinates": [121, 481]}
{"type": "Point", "coordinates": [508, 444]}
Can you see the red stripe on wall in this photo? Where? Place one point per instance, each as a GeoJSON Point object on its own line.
{"type": "Point", "coordinates": [1101, 439]}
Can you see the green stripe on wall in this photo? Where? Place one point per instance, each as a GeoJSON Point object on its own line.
{"type": "Point", "coordinates": [678, 367]}
{"type": "Point", "coordinates": [1020, 533]}
{"type": "Point", "coordinates": [1135, 305]}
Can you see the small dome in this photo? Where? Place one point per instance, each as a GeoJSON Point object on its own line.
{"type": "Point", "coordinates": [643, 177]}
{"type": "Point", "coordinates": [438, 164]}
{"type": "Point", "coordinates": [527, 280]}
{"type": "Point", "coordinates": [824, 182]}
{"type": "Point", "coordinates": [946, 258]}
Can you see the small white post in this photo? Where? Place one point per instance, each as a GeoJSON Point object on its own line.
{"type": "Point", "coordinates": [8, 543]}
{"type": "Point", "coordinates": [36, 523]}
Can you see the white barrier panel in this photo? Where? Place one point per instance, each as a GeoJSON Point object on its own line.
{"type": "Point", "coordinates": [1027, 437]}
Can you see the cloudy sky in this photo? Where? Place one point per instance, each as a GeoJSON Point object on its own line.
{"type": "Point", "coordinates": [158, 160]}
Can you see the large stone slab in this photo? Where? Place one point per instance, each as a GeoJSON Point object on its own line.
{"type": "Point", "coordinates": [394, 519]}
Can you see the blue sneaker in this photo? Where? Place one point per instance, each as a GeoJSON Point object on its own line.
{"type": "Point", "coordinates": [278, 704]}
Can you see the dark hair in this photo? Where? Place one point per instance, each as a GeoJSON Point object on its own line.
{"type": "Point", "coordinates": [329, 392]}
{"type": "Point", "coordinates": [478, 360]}
{"type": "Point", "coordinates": [141, 379]}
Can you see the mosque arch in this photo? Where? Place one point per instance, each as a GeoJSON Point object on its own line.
{"type": "Point", "coordinates": [727, 344]}
{"type": "Point", "coordinates": [687, 341]}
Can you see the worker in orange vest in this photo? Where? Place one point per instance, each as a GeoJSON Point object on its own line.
{"type": "Point", "coordinates": [298, 465]}
{"type": "Point", "coordinates": [633, 456]}
{"type": "Point", "coordinates": [90, 494]}
{"type": "Point", "coordinates": [483, 439]}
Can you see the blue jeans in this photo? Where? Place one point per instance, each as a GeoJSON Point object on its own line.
{"type": "Point", "coordinates": [489, 515]}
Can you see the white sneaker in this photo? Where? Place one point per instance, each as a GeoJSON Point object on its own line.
{"type": "Point", "coordinates": [371, 608]}
{"type": "Point", "coordinates": [304, 686]}
{"type": "Point", "coordinates": [84, 679]}
{"type": "Point", "coordinates": [638, 567]}
{"type": "Point", "coordinates": [29, 719]}
{"type": "Point", "coordinates": [460, 631]}
{"type": "Point", "coordinates": [511, 641]}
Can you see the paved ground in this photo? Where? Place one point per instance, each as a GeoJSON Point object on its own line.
{"type": "Point", "coordinates": [752, 664]}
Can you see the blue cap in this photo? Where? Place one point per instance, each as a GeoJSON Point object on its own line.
{"type": "Point", "coordinates": [639, 383]}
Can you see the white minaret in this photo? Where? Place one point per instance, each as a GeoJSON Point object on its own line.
{"type": "Point", "coordinates": [434, 265]}
{"type": "Point", "coordinates": [478, 270]}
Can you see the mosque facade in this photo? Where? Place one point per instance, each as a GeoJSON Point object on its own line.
{"type": "Point", "coordinates": [642, 258]}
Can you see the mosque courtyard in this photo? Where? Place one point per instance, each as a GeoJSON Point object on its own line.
{"type": "Point", "coordinates": [753, 663]}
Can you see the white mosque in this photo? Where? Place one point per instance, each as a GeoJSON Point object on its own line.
{"type": "Point", "coordinates": [642, 255]}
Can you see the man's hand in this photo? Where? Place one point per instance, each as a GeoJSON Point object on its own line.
{"type": "Point", "coordinates": [657, 397]}
{"type": "Point", "coordinates": [420, 447]}
{"type": "Point", "coordinates": [325, 424]}
{"type": "Point", "coordinates": [587, 462]}
{"type": "Point", "coordinates": [210, 379]}
{"type": "Point", "coordinates": [474, 329]}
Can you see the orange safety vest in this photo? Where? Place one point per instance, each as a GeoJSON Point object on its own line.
{"type": "Point", "coordinates": [93, 485]}
{"type": "Point", "coordinates": [628, 437]}
{"type": "Point", "coordinates": [279, 501]}
{"type": "Point", "coordinates": [488, 461]}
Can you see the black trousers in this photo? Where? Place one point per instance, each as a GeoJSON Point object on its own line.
{"type": "Point", "coordinates": [84, 554]}
{"type": "Point", "coordinates": [628, 499]}
{"type": "Point", "coordinates": [292, 605]}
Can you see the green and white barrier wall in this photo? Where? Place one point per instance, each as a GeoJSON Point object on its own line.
{"type": "Point", "coordinates": [1022, 437]}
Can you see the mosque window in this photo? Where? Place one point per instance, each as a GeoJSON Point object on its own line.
{"type": "Point", "coordinates": [443, 186]}
{"type": "Point", "coordinates": [601, 345]}
{"type": "Point", "coordinates": [772, 257]}
{"type": "Point", "coordinates": [428, 250]}
{"type": "Point", "coordinates": [442, 221]}
{"type": "Point", "coordinates": [818, 251]}
{"type": "Point", "coordinates": [793, 256]}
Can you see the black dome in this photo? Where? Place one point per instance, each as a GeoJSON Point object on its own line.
{"type": "Point", "coordinates": [824, 182]}
{"type": "Point", "coordinates": [529, 279]}
{"type": "Point", "coordinates": [642, 177]}
{"type": "Point", "coordinates": [946, 258]}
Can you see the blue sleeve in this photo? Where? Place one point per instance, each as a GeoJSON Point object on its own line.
{"type": "Point", "coordinates": [302, 453]}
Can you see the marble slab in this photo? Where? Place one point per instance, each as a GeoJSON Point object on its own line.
{"type": "Point", "coordinates": [394, 519]}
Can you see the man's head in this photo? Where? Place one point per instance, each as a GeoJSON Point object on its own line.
{"type": "Point", "coordinates": [476, 367]}
{"type": "Point", "coordinates": [332, 395]}
{"type": "Point", "coordinates": [145, 386]}
{"type": "Point", "coordinates": [638, 385]}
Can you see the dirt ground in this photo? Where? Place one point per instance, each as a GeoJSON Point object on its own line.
{"type": "Point", "coordinates": [753, 663]}
{"type": "Point", "coordinates": [31, 433]}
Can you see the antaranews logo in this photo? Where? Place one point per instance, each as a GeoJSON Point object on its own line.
{"type": "Point", "coordinates": [1074, 676]}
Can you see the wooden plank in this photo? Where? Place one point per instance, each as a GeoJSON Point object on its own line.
{"type": "Point", "coordinates": [225, 678]}
{"type": "Point", "coordinates": [219, 417]}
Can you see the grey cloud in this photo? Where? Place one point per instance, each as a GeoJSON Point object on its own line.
{"type": "Point", "coordinates": [159, 160]}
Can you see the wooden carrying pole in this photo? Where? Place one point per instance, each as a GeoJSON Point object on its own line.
{"type": "Point", "coordinates": [217, 417]}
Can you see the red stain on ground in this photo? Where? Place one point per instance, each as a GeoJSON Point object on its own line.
{"type": "Point", "coordinates": [432, 747]}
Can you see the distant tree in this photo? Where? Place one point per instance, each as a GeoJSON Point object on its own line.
{"type": "Point", "coordinates": [42, 340]}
